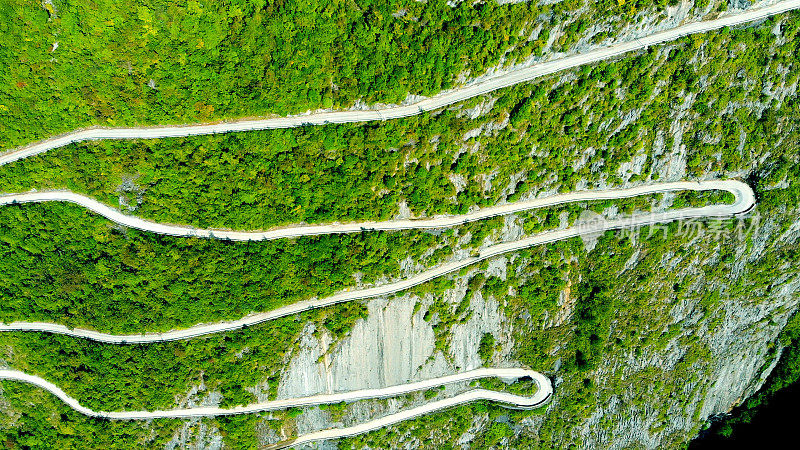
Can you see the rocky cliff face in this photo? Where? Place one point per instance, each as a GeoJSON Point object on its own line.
{"type": "Point", "coordinates": [395, 344]}
{"type": "Point", "coordinates": [392, 346]}
{"type": "Point", "coordinates": [739, 351]}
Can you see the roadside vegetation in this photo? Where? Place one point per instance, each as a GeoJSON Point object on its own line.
{"type": "Point", "coordinates": [35, 419]}
{"type": "Point", "coordinates": [604, 119]}
{"type": "Point", "coordinates": [76, 268]}
{"type": "Point", "coordinates": [73, 63]}
{"type": "Point", "coordinates": [65, 265]}
{"type": "Point", "coordinates": [109, 377]}
{"type": "Point", "coordinates": [623, 295]}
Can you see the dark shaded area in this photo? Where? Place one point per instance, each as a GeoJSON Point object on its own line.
{"type": "Point", "coordinates": [770, 415]}
{"type": "Point", "coordinates": [774, 421]}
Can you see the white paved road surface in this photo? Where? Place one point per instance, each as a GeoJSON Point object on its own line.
{"type": "Point", "coordinates": [355, 227]}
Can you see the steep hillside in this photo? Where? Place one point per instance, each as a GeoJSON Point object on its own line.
{"type": "Point", "coordinates": [646, 333]}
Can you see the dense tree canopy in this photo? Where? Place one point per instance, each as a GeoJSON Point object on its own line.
{"type": "Point", "coordinates": [74, 63]}
{"type": "Point", "coordinates": [611, 113]}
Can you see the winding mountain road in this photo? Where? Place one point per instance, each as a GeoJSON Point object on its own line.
{"type": "Point", "coordinates": [503, 80]}
{"type": "Point", "coordinates": [544, 389]}
{"type": "Point", "coordinates": [744, 200]}
{"type": "Point", "coordinates": [543, 392]}
{"type": "Point", "coordinates": [294, 231]}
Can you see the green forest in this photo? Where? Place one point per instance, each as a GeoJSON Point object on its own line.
{"type": "Point", "coordinates": [63, 264]}
{"type": "Point", "coordinates": [256, 180]}
{"type": "Point", "coordinates": [578, 129]}
{"type": "Point", "coordinates": [73, 63]}
{"type": "Point", "coordinates": [66, 265]}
